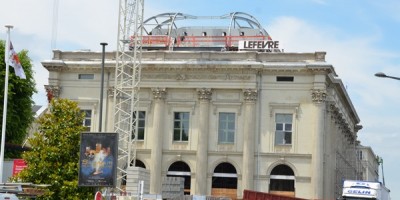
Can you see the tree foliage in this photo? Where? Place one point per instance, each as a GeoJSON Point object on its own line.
{"type": "Point", "coordinates": [54, 158]}
{"type": "Point", "coordinates": [19, 107]}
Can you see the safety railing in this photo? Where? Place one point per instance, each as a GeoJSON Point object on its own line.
{"type": "Point", "coordinates": [196, 41]}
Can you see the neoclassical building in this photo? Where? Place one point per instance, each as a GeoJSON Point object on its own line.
{"type": "Point", "coordinates": [227, 119]}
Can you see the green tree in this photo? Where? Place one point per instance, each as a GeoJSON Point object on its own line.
{"type": "Point", "coordinates": [54, 158]}
{"type": "Point", "coordinates": [19, 107]}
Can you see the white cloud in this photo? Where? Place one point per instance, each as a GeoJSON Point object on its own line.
{"type": "Point", "coordinates": [89, 25]}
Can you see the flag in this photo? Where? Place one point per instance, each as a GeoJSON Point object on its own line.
{"type": "Point", "coordinates": [13, 60]}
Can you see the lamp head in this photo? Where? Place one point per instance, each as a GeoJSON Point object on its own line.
{"type": "Point", "coordinates": [380, 74]}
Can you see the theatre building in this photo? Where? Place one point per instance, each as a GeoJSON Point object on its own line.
{"type": "Point", "coordinates": [223, 111]}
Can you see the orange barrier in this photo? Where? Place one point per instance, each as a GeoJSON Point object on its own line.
{"type": "Point", "coordinates": [254, 195]}
{"type": "Point", "coordinates": [195, 41]}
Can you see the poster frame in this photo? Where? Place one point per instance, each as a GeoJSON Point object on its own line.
{"type": "Point", "coordinates": [98, 159]}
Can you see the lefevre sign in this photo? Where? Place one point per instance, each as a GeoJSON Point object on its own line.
{"type": "Point", "coordinates": [264, 45]}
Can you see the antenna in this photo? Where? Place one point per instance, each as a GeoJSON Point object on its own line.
{"type": "Point", "coordinates": [54, 25]}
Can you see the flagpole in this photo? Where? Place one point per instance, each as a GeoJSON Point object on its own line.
{"type": "Point", "coordinates": [3, 128]}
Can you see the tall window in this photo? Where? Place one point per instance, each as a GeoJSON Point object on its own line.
{"type": "Point", "coordinates": [87, 122]}
{"type": "Point", "coordinates": [141, 124]}
{"type": "Point", "coordinates": [181, 126]}
{"type": "Point", "coordinates": [283, 129]}
{"type": "Point", "coordinates": [282, 179]}
{"type": "Point", "coordinates": [226, 128]}
{"type": "Point", "coordinates": [360, 155]}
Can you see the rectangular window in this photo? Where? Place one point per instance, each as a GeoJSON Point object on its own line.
{"type": "Point", "coordinates": [181, 126]}
{"type": "Point", "coordinates": [226, 128]}
{"type": "Point", "coordinates": [87, 122]}
{"type": "Point", "coordinates": [284, 78]}
{"type": "Point", "coordinates": [141, 124]}
{"type": "Point", "coordinates": [86, 76]}
{"type": "Point", "coordinates": [283, 129]}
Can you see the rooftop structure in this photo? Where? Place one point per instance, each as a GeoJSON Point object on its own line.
{"type": "Point", "coordinates": [178, 31]}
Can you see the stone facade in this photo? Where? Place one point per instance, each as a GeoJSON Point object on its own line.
{"type": "Point", "coordinates": [256, 89]}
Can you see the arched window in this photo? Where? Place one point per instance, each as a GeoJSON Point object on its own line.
{"type": "Point", "coordinates": [180, 169]}
{"type": "Point", "coordinates": [282, 179]}
{"type": "Point", "coordinates": [224, 176]}
{"type": "Point", "coordinates": [138, 163]}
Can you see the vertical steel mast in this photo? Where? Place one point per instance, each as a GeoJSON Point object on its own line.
{"type": "Point", "coordinates": [127, 79]}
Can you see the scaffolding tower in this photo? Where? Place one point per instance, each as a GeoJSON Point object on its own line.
{"type": "Point", "coordinates": [127, 79]}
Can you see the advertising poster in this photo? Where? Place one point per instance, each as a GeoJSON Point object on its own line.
{"type": "Point", "coordinates": [19, 165]}
{"type": "Point", "coordinates": [98, 159]}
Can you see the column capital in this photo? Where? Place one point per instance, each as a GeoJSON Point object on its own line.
{"type": "Point", "coordinates": [53, 91]}
{"type": "Point", "coordinates": [110, 91]}
{"type": "Point", "coordinates": [318, 95]}
{"type": "Point", "coordinates": [204, 94]}
{"type": "Point", "coordinates": [250, 95]}
{"type": "Point", "coordinates": [159, 93]}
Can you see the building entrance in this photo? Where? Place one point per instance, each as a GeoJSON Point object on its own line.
{"type": "Point", "coordinates": [224, 181]}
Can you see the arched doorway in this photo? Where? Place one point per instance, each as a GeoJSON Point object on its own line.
{"type": "Point", "coordinates": [282, 181]}
{"type": "Point", "coordinates": [138, 163]}
{"type": "Point", "coordinates": [181, 169]}
{"type": "Point", "coordinates": [224, 181]}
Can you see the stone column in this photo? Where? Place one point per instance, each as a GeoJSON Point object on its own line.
{"type": "Point", "coordinates": [249, 132]}
{"type": "Point", "coordinates": [204, 96]}
{"type": "Point", "coordinates": [156, 142]}
{"type": "Point", "coordinates": [318, 97]}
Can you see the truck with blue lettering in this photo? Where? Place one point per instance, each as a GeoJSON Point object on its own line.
{"type": "Point", "coordinates": [364, 190]}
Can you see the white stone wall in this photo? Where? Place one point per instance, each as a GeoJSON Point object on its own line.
{"type": "Point", "coordinates": [312, 152]}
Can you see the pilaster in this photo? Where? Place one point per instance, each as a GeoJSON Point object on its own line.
{"type": "Point", "coordinates": [318, 97]}
{"type": "Point", "coordinates": [250, 98]}
{"type": "Point", "coordinates": [156, 145]}
{"type": "Point", "coordinates": [204, 97]}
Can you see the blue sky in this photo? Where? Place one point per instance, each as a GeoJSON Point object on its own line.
{"type": "Point", "coordinates": [360, 38]}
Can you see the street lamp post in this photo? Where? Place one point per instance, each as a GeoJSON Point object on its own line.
{"type": "Point", "coordinates": [380, 162]}
{"type": "Point", "coordinates": [103, 44]}
{"type": "Point", "coordinates": [383, 75]}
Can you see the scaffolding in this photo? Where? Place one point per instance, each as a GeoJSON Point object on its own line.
{"type": "Point", "coordinates": [127, 79]}
{"type": "Point", "coordinates": [348, 166]}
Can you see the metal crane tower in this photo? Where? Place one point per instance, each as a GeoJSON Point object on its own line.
{"type": "Point", "coordinates": [127, 79]}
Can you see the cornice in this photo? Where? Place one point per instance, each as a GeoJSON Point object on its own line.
{"type": "Point", "coordinates": [194, 76]}
{"type": "Point", "coordinates": [349, 132]}
{"type": "Point", "coordinates": [284, 64]}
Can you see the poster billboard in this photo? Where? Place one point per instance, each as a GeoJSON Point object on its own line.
{"type": "Point", "coordinates": [98, 159]}
{"type": "Point", "coordinates": [18, 165]}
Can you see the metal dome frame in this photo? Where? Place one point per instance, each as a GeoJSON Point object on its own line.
{"type": "Point", "coordinates": [169, 20]}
